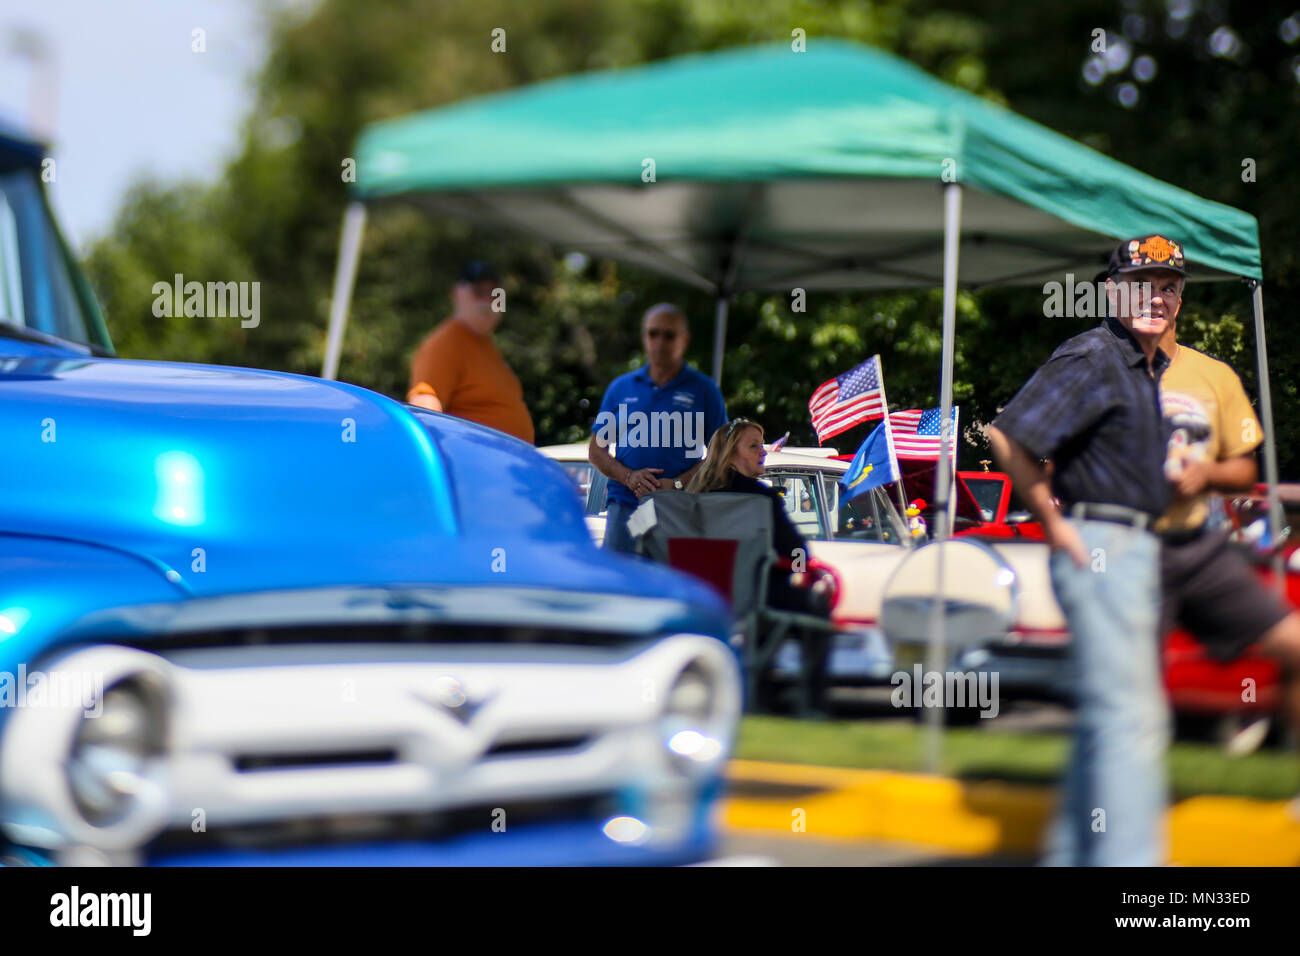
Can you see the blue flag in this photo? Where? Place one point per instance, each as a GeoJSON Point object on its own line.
{"type": "Point", "coordinates": [875, 464]}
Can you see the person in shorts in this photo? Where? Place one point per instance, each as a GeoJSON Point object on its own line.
{"type": "Point", "coordinates": [1208, 585]}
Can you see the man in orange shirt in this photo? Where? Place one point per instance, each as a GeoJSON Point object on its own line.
{"type": "Point", "coordinates": [458, 370]}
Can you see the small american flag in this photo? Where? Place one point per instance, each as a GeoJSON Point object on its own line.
{"type": "Point", "coordinates": [849, 399]}
{"type": "Point", "coordinates": [916, 433]}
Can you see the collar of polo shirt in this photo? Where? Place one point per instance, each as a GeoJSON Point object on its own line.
{"type": "Point", "coordinates": [1125, 340]}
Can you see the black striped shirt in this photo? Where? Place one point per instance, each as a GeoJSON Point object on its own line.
{"type": "Point", "coordinates": [1094, 410]}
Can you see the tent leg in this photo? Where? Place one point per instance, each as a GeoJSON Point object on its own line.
{"type": "Point", "coordinates": [952, 477]}
{"type": "Point", "coordinates": [719, 337]}
{"type": "Point", "coordinates": [951, 245]}
{"type": "Point", "coordinates": [345, 273]}
{"type": "Point", "coordinates": [937, 653]}
{"type": "Point", "coordinates": [1275, 519]}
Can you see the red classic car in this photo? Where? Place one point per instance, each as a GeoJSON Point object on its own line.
{"type": "Point", "coordinates": [987, 506]}
{"type": "Point", "coordinates": [1002, 514]}
{"type": "Point", "coordinates": [1248, 687]}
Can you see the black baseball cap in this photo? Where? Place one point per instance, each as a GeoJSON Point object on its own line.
{"type": "Point", "coordinates": [1152, 251]}
{"type": "Point", "coordinates": [478, 271]}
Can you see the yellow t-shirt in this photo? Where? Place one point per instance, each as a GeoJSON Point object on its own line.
{"type": "Point", "coordinates": [1211, 419]}
{"type": "Point", "coordinates": [468, 375]}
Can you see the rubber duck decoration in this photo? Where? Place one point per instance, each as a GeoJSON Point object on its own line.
{"type": "Point", "coordinates": [915, 523]}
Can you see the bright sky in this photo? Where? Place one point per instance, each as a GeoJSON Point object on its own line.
{"type": "Point", "coordinates": [128, 94]}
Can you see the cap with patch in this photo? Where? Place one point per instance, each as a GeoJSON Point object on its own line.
{"type": "Point", "coordinates": [1153, 251]}
{"type": "Point", "coordinates": [478, 272]}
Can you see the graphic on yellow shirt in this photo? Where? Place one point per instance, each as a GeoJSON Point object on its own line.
{"type": "Point", "coordinates": [1210, 419]}
{"type": "Point", "coordinates": [1192, 431]}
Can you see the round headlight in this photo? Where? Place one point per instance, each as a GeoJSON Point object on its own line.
{"type": "Point", "coordinates": [691, 696]}
{"type": "Point", "coordinates": [690, 732]}
{"type": "Point", "coordinates": [114, 753]}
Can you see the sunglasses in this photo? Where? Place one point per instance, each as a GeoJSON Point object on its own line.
{"type": "Point", "coordinates": [666, 334]}
{"type": "Point", "coordinates": [741, 422]}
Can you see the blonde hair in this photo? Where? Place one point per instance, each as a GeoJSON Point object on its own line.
{"type": "Point", "coordinates": [716, 471]}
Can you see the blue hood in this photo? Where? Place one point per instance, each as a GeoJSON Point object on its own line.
{"type": "Point", "coordinates": [211, 481]}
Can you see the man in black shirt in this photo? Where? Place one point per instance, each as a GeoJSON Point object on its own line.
{"type": "Point", "coordinates": [1094, 410]}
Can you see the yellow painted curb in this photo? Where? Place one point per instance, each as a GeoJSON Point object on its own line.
{"type": "Point", "coordinates": [986, 817]}
{"type": "Point", "coordinates": [1234, 831]}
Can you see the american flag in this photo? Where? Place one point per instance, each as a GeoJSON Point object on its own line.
{"type": "Point", "coordinates": [916, 433]}
{"type": "Point", "coordinates": [849, 399]}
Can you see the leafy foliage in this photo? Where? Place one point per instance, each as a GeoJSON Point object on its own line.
{"type": "Point", "coordinates": [571, 324]}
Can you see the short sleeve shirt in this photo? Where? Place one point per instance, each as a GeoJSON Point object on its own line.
{"type": "Point", "coordinates": [467, 374]}
{"type": "Point", "coordinates": [1094, 410]}
{"type": "Point", "coordinates": [1210, 419]}
{"type": "Point", "coordinates": [655, 426]}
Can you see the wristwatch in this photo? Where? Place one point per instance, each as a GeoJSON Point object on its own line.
{"type": "Point", "coordinates": [677, 483]}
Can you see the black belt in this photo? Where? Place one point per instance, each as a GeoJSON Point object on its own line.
{"type": "Point", "coordinates": [1118, 514]}
{"type": "Point", "coordinates": [1183, 535]}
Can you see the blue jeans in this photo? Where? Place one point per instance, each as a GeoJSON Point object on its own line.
{"type": "Point", "coordinates": [617, 537]}
{"type": "Point", "coordinates": [1112, 809]}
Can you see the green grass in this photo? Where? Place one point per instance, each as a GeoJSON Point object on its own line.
{"type": "Point", "coordinates": [975, 754]}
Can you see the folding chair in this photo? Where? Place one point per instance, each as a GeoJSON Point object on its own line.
{"type": "Point", "coordinates": [725, 540]}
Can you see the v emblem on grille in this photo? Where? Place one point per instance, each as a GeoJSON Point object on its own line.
{"type": "Point", "coordinates": [449, 695]}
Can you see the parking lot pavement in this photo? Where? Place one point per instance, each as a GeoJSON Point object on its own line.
{"type": "Point", "coordinates": [1031, 716]}
{"type": "Point", "coordinates": [804, 849]}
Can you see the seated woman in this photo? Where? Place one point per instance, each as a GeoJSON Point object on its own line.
{"type": "Point", "coordinates": [734, 463]}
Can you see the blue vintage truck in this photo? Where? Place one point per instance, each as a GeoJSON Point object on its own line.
{"type": "Point", "coordinates": [249, 617]}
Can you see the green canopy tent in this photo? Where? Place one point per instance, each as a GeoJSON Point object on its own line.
{"type": "Point", "coordinates": [841, 167]}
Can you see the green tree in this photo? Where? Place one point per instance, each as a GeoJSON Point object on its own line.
{"type": "Point", "coordinates": [1187, 92]}
{"type": "Point", "coordinates": [572, 325]}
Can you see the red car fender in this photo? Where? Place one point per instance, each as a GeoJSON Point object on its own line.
{"type": "Point", "coordinates": [823, 570]}
{"type": "Point", "coordinates": [1197, 682]}
{"type": "Point", "coordinates": [815, 571]}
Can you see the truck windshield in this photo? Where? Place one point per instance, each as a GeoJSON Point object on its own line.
{"type": "Point", "coordinates": [39, 288]}
{"type": "Point", "coordinates": [987, 493]}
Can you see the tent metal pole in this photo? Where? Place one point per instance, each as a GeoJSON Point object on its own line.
{"type": "Point", "coordinates": [1275, 517]}
{"type": "Point", "coordinates": [952, 478]}
{"type": "Point", "coordinates": [719, 335]}
{"type": "Point", "coordinates": [728, 272]}
{"type": "Point", "coordinates": [951, 246]}
{"type": "Point", "coordinates": [936, 659]}
{"type": "Point", "coordinates": [345, 273]}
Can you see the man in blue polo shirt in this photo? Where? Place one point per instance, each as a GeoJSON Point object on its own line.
{"type": "Point", "coordinates": [658, 419]}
